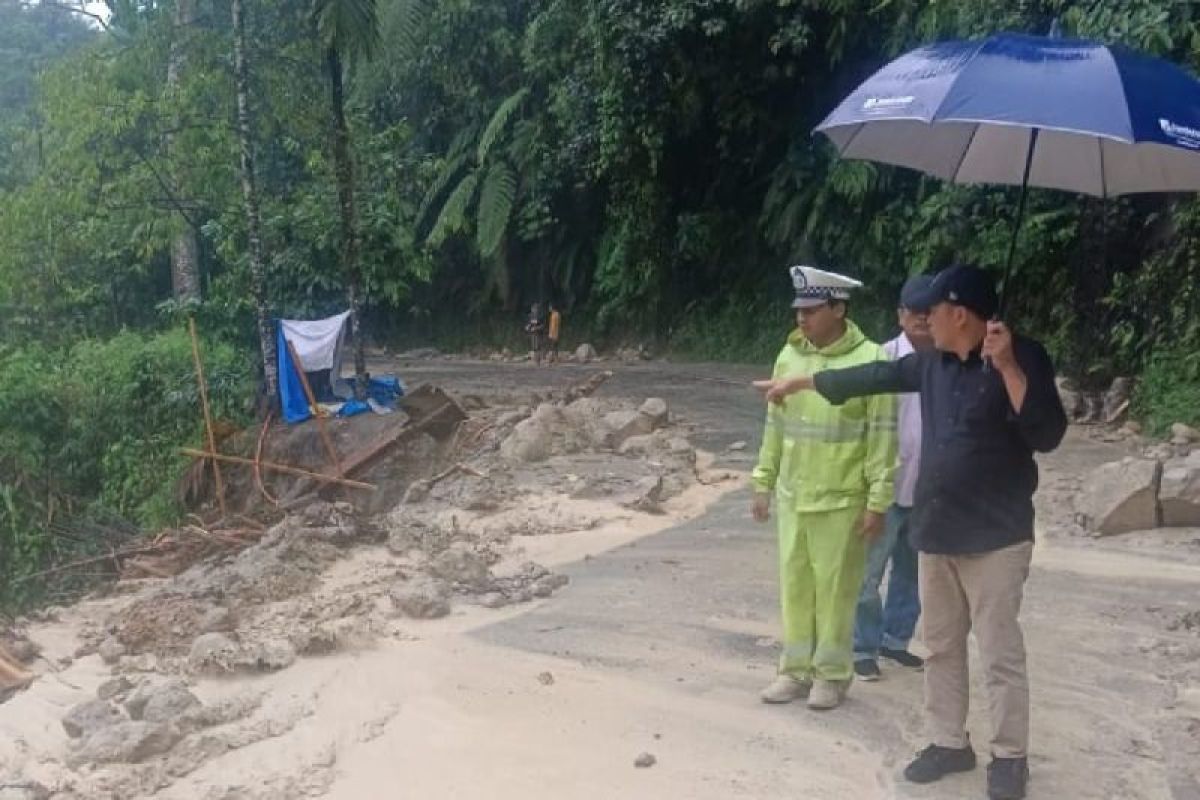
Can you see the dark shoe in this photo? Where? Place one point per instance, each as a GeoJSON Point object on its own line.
{"type": "Point", "coordinates": [903, 658]}
{"type": "Point", "coordinates": [866, 669]}
{"type": "Point", "coordinates": [934, 763]}
{"type": "Point", "coordinates": [1007, 778]}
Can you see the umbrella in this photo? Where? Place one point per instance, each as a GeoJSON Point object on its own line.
{"type": "Point", "coordinates": [1029, 111]}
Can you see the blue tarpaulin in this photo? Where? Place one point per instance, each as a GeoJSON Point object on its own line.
{"type": "Point", "coordinates": [291, 392]}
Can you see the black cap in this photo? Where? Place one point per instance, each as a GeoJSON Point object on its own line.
{"type": "Point", "coordinates": [969, 287]}
{"type": "Point", "coordinates": [912, 295]}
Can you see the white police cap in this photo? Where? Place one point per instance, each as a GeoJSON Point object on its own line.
{"type": "Point", "coordinates": [815, 287]}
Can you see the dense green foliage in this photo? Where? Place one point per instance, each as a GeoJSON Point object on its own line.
{"type": "Point", "coordinates": [94, 428]}
{"type": "Point", "coordinates": [647, 164]}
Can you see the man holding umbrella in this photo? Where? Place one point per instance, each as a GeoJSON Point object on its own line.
{"type": "Point", "coordinates": [988, 403]}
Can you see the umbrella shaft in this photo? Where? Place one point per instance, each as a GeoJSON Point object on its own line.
{"type": "Point", "coordinates": [1012, 244]}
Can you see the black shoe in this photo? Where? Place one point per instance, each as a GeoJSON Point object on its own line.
{"type": "Point", "coordinates": [866, 669]}
{"type": "Point", "coordinates": [934, 763]}
{"type": "Point", "coordinates": [903, 658]}
{"type": "Point", "coordinates": [1007, 778]}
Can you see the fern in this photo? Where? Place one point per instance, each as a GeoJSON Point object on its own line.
{"type": "Point", "coordinates": [406, 26]}
{"type": "Point", "coordinates": [498, 122]}
{"type": "Point", "coordinates": [450, 171]}
{"type": "Point", "coordinates": [454, 212]}
{"type": "Point", "coordinates": [496, 200]}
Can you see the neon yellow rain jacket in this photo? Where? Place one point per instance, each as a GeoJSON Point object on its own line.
{"type": "Point", "coordinates": [819, 457]}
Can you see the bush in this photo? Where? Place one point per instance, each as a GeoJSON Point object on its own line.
{"type": "Point", "coordinates": [1169, 390]}
{"type": "Point", "coordinates": [95, 430]}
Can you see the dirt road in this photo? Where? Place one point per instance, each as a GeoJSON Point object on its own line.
{"type": "Point", "coordinates": [673, 635]}
{"type": "Point", "coordinates": [662, 640]}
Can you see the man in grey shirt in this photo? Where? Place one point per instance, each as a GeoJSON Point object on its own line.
{"type": "Point", "coordinates": [885, 629]}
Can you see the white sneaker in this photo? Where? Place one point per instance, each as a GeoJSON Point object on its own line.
{"type": "Point", "coordinates": [785, 689]}
{"type": "Point", "coordinates": [827, 694]}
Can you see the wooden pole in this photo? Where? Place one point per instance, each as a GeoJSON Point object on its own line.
{"type": "Point", "coordinates": [316, 412]}
{"type": "Point", "coordinates": [208, 426]}
{"type": "Point", "coordinates": [188, 451]}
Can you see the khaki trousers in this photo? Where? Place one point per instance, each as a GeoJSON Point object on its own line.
{"type": "Point", "coordinates": [980, 592]}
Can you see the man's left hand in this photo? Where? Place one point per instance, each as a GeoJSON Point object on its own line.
{"type": "Point", "coordinates": [872, 525]}
{"type": "Point", "coordinates": [998, 347]}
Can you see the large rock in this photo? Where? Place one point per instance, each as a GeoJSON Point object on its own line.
{"type": "Point", "coordinates": [111, 650]}
{"type": "Point", "coordinates": [656, 409]}
{"type": "Point", "coordinates": [1184, 433]}
{"type": "Point", "coordinates": [530, 441]}
{"type": "Point", "coordinates": [1073, 402]}
{"type": "Point", "coordinates": [585, 353]}
{"type": "Point", "coordinates": [1179, 492]}
{"type": "Point", "coordinates": [87, 718]}
{"type": "Point", "coordinates": [422, 598]}
{"type": "Point", "coordinates": [127, 742]}
{"type": "Point", "coordinates": [622, 425]}
{"type": "Point", "coordinates": [213, 652]}
{"type": "Point", "coordinates": [168, 702]}
{"type": "Point", "coordinates": [459, 564]}
{"type": "Point", "coordinates": [1121, 496]}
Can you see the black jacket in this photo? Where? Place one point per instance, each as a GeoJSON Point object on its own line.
{"type": "Point", "coordinates": [977, 475]}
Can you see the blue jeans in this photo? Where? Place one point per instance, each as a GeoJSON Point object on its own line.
{"type": "Point", "coordinates": [890, 625]}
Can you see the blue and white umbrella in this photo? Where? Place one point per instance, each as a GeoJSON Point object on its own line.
{"type": "Point", "coordinates": [1029, 111]}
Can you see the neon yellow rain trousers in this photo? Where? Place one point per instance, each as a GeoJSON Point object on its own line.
{"type": "Point", "coordinates": [825, 464]}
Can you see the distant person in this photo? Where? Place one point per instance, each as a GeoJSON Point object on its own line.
{"type": "Point", "coordinates": [831, 468]}
{"type": "Point", "coordinates": [535, 327]}
{"type": "Point", "coordinates": [885, 629]}
{"type": "Point", "coordinates": [553, 330]}
{"type": "Point", "coordinates": [988, 403]}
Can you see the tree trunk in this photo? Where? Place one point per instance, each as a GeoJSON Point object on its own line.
{"type": "Point", "coordinates": [185, 250]}
{"type": "Point", "coordinates": [344, 169]}
{"type": "Point", "coordinates": [258, 269]}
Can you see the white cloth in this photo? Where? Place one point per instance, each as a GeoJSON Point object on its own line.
{"type": "Point", "coordinates": [908, 419]}
{"type": "Point", "coordinates": [318, 342]}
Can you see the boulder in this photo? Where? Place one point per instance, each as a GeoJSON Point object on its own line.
{"type": "Point", "coordinates": [127, 742]}
{"type": "Point", "coordinates": [622, 425]}
{"type": "Point", "coordinates": [115, 689]}
{"type": "Point", "coordinates": [459, 564]}
{"type": "Point", "coordinates": [1121, 496]}
{"type": "Point", "coordinates": [422, 598]}
{"type": "Point", "coordinates": [1179, 492]}
{"type": "Point", "coordinates": [87, 718]}
{"type": "Point", "coordinates": [213, 651]}
{"type": "Point", "coordinates": [168, 702]}
{"type": "Point", "coordinates": [1184, 433]}
{"type": "Point", "coordinates": [269, 656]}
{"type": "Point", "coordinates": [530, 441]}
{"type": "Point", "coordinates": [111, 650]}
{"type": "Point", "coordinates": [642, 446]}
{"type": "Point", "coordinates": [656, 409]}
{"type": "Point", "coordinates": [585, 353]}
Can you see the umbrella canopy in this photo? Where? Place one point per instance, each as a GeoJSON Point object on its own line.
{"type": "Point", "coordinates": [1030, 111]}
